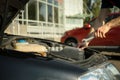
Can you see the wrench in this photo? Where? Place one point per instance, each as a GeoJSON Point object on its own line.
{"type": "Point", "coordinates": [85, 40]}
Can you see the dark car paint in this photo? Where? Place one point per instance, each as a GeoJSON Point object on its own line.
{"type": "Point", "coordinates": [39, 68]}
{"type": "Point", "coordinates": [15, 65]}
{"type": "Point", "coordinates": [8, 10]}
{"type": "Point", "coordinates": [19, 67]}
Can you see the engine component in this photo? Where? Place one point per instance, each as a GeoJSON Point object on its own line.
{"type": "Point", "coordinates": [25, 46]}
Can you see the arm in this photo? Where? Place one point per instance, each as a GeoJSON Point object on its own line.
{"type": "Point", "coordinates": [101, 31]}
{"type": "Point", "coordinates": [100, 19]}
{"type": "Point", "coordinates": [97, 23]}
{"type": "Point", "coordinates": [113, 23]}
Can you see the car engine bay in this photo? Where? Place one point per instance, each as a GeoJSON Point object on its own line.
{"type": "Point", "coordinates": [21, 46]}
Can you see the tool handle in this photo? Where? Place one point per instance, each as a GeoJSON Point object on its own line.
{"type": "Point", "coordinates": [88, 39]}
{"type": "Point", "coordinates": [85, 40]}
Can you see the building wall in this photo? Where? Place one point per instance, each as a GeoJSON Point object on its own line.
{"type": "Point", "coordinates": [73, 8]}
{"type": "Point", "coordinates": [46, 18]}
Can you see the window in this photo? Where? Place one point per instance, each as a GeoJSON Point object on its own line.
{"type": "Point", "coordinates": [50, 1]}
{"type": "Point", "coordinates": [50, 13]}
{"type": "Point", "coordinates": [56, 2]}
{"type": "Point", "coordinates": [32, 10]}
{"type": "Point", "coordinates": [46, 11]}
{"type": "Point", "coordinates": [61, 16]}
{"type": "Point", "coordinates": [43, 0]}
{"type": "Point", "coordinates": [42, 13]}
{"type": "Point", "coordinates": [56, 14]}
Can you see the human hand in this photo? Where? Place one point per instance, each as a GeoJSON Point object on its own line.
{"type": "Point", "coordinates": [101, 31]}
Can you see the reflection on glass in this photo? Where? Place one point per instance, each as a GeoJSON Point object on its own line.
{"type": "Point", "coordinates": [50, 14]}
{"type": "Point", "coordinates": [50, 1]}
{"type": "Point", "coordinates": [32, 10]}
{"type": "Point", "coordinates": [24, 13]}
{"type": "Point", "coordinates": [43, 0]}
{"type": "Point", "coordinates": [42, 13]}
{"type": "Point", "coordinates": [33, 23]}
{"type": "Point", "coordinates": [61, 16]}
{"type": "Point", "coordinates": [56, 14]}
{"type": "Point", "coordinates": [56, 2]}
{"type": "Point", "coordinates": [60, 2]}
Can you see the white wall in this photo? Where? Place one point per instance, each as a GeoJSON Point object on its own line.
{"type": "Point", "coordinates": [73, 7]}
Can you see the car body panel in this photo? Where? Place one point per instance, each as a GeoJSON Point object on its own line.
{"type": "Point", "coordinates": [30, 64]}
{"type": "Point", "coordinates": [75, 33]}
{"type": "Point", "coordinates": [8, 10]}
{"type": "Point", "coordinates": [37, 69]}
{"type": "Point", "coordinates": [112, 37]}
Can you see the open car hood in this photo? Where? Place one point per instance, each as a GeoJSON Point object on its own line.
{"type": "Point", "coordinates": [8, 10]}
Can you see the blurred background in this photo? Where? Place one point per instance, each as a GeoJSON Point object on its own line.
{"type": "Point", "coordinates": [49, 19]}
